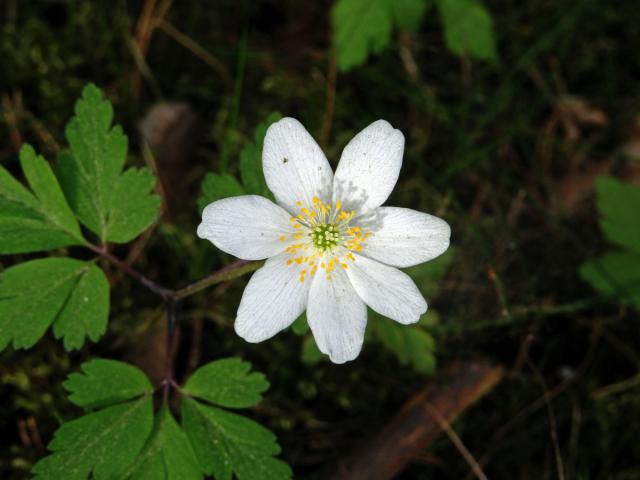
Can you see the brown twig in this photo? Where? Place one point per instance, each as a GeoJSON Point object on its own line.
{"type": "Point", "coordinates": [553, 427]}
{"type": "Point", "coordinates": [457, 441]}
{"type": "Point", "coordinates": [199, 51]}
{"type": "Point", "coordinates": [406, 436]}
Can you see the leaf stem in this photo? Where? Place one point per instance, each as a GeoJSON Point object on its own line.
{"type": "Point", "coordinates": [172, 325]}
{"type": "Point", "coordinates": [231, 271]}
{"type": "Point", "coordinates": [159, 290]}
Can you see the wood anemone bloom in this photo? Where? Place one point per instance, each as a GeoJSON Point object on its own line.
{"type": "Point", "coordinates": [331, 248]}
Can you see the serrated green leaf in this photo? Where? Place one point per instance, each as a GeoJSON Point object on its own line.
{"type": "Point", "coordinates": [39, 221]}
{"type": "Point", "coordinates": [216, 186]}
{"type": "Point", "coordinates": [133, 210]}
{"type": "Point", "coordinates": [106, 382]}
{"type": "Point", "coordinates": [227, 382]}
{"type": "Point", "coordinates": [616, 274]}
{"type": "Point", "coordinates": [407, 14]}
{"type": "Point", "coordinates": [251, 160]}
{"type": "Point", "coordinates": [167, 455]}
{"type": "Point", "coordinates": [468, 28]}
{"type": "Point", "coordinates": [99, 445]}
{"type": "Point", "coordinates": [226, 443]}
{"type": "Point", "coordinates": [114, 206]}
{"type": "Point", "coordinates": [34, 294]}
{"type": "Point", "coordinates": [619, 204]}
{"type": "Point", "coordinates": [300, 326]}
{"type": "Point", "coordinates": [361, 27]}
{"type": "Point", "coordinates": [46, 188]}
{"type": "Point", "coordinates": [409, 343]}
{"type": "Point", "coordinates": [86, 310]}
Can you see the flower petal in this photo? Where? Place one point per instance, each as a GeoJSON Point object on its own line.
{"type": "Point", "coordinates": [273, 299]}
{"type": "Point", "coordinates": [337, 316]}
{"type": "Point", "coordinates": [249, 227]}
{"type": "Point", "coordinates": [387, 290]}
{"type": "Point", "coordinates": [403, 237]}
{"type": "Point", "coordinates": [294, 166]}
{"type": "Point", "coordinates": [369, 167]}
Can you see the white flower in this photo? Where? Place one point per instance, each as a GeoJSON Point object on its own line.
{"type": "Point", "coordinates": [330, 247]}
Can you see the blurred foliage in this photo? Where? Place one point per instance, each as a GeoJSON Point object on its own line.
{"type": "Point", "coordinates": [363, 27]}
{"type": "Point", "coordinates": [617, 273]}
{"type": "Point", "coordinates": [222, 185]}
{"type": "Point", "coordinates": [493, 147]}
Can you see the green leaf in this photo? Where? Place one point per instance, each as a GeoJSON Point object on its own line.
{"type": "Point", "coordinates": [227, 382]}
{"type": "Point", "coordinates": [167, 455]}
{"type": "Point", "coordinates": [106, 382]}
{"type": "Point", "coordinates": [39, 221]}
{"type": "Point", "coordinates": [35, 294]}
{"type": "Point", "coordinates": [300, 326]}
{"type": "Point", "coordinates": [361, 27]}
{"type": "Point", "coordinates": [216, 186]}
{"type": "Point", "coordinates": [468, 28]}
{"type": "Point", "coordinates": [117, 207]}
{"type": "Point", "coordinates": [616, 274]}
{"type": "Point", "coordinates": [133, 210]}
{"type": "Point", "coordinates": [409, 343]}
{"type": "Point", "coordinates": [407, 14]}
{"type": "Point", "coordinates": [227, 443]}
{"type": "Point", "coordinates": [104, 442]}
{"type": "Point", "coordinates": [251, 160]}
{"type": "Point", "coordinates": [619, 204]}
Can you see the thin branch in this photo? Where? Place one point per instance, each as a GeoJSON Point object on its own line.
{"type": "Point", "coordinates": [231, 271]}
{"type": "Point", "coordinates": [172, 325]}
{"type": "Point", "coordinates": [159, 290]}
{"type": "Point", "coordinates": [457, 442]}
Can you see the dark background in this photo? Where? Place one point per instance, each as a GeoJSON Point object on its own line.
{"type": "Point", "coordinates": [505, 151]}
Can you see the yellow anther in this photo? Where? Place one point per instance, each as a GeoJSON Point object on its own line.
{"type": "Point", "coordinates": [299, 260]}
{"type": "Point", "coordinates": [338, 205]}
{"type": "Point", "coordinates": [315, 200]}
{"type": "Point", "coordinates": [289, 262]}
{"type": "Point", "coordinates": [299, 203]}
{"type": "Point", "coordinates": [344, 265]}
{"type": "Point", "coordinates": [283, 238]}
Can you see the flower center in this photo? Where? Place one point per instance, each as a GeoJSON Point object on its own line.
{"type": "Point", "coordinates": [325, 236]}
{"type": "Point", "coordinates": [324, 239]}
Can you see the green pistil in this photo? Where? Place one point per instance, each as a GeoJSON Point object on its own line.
{"type": "Point", "coordinates": [325, 237]}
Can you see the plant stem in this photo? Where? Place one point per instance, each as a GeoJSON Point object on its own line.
{"type": "Point", "coordinates": [159, 290]}
{"type": "Point", "coordinates": [172, 300]}
{"type": "Point", "coordinates": [172, 324]}
{"type": "Point", "coordinates": [231, 271]}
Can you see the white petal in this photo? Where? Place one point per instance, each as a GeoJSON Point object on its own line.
{"type": "Point", "coordinates": [369, 167]}
{"type": "Point", "coordinates": [403, 237]}
{"type": "Point", "coordinates": [387, 290]}
{"type": "Point", "coordinates": [337, 316]}
{"type": "Point", "coordinates": [273, 299]}
{"type": "Point", "coordinates": [249, 227]}
{"type": "Point", "coordinates": [294, 166]}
